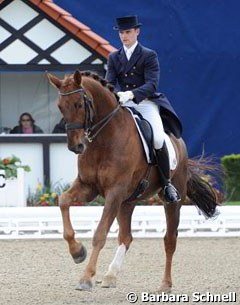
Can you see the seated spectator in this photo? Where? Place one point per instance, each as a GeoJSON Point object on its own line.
{"type": "Point", "coordinates": [26, 125]}
{"type": "Point", "coordinates": [60, 127]}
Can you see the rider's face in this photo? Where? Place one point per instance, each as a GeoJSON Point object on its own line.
{"type": "Point", "coordinates": [129, 37]}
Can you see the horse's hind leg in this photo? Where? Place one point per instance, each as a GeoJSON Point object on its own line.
{"type": "Point", "coordinates": [73, 196]}
{"type": "Point", "coordinates": [124, 240]}
{"type": "Point", "coordinates": [172, 212]}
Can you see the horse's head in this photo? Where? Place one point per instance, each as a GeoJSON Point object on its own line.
{"type": "Point", "coordinates": [76, 106]}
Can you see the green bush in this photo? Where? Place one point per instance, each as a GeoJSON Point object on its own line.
{"type": "Point", "coordinates": [231, 167]}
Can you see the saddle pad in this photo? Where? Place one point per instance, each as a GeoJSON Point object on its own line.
{"type": "Point", "coordinates": [171, 150]}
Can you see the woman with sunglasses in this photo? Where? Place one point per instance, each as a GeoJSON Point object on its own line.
{"type": "Point", "coordinates": [26, 125]}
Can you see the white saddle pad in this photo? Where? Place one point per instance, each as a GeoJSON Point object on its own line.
{"type": "Point", "coordinates": [171, 150]}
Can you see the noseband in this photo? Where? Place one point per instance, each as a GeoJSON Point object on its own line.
{"type": "Point", "coordinates": [88, 126]}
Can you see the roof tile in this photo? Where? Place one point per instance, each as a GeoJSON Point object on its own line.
{"type": "Point", "coordinates": [85, 37]}
{"type": "Point", "coordinates": [72, 24]}
{"type": "Point", "coordinates": [57, 8]}
{"type": "Point", "coordinates": [105, 50]}
{"type": "Point", "coordinates": [36, 2]}
{"type": "Point", "coordinates": [97, 38]}
{"type": "Point", "coordinates": [52, 9]}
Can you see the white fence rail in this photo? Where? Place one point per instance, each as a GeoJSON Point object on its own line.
{"type": "Point", "coordinates": [148, 221]}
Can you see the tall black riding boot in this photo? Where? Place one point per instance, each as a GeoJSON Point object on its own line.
{"type": "Point", "coordinates": [169, 191]}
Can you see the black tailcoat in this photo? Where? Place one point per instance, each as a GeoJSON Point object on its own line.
{"type": "Point", "coordinates": [141, 76]}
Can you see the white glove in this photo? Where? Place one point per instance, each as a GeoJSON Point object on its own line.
{"type": "Point", "coordinates": [125, 96]}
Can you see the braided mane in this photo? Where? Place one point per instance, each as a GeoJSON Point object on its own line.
{"type": "Point", "coordinates": [98, 78]}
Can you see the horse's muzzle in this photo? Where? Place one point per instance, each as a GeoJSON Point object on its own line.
{"type": "Point", "coordinates": [77, 149]}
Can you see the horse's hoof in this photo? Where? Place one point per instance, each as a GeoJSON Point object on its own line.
{"type": "Point", "coordinates": [109, 281]}
{"type": "Point", "coordinates": [81, 256]}
{"type": "Point", "coordinates": [84, 286]}
{"type": "Point", "coordinates": [165, 287]}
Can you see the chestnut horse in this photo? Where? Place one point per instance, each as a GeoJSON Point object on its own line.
{"type": "Point", "coordinates": [111, 163]}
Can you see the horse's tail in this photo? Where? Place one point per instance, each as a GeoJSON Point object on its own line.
{"type": "Point", "coordinates": [200, 188]}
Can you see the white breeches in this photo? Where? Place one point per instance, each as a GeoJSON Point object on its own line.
{"type": "Point", "coordinates": [150, 111]}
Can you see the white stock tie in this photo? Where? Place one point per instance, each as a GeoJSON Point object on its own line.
{"type": "Point", "coordinates": [128, 53]}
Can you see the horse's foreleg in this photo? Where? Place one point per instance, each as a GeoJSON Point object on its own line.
{"type": "Point", "coordinates": [76, 249]}
{"type": "Point", "coordinates": [124, 240]}
{"type": "Point", "coordinates": [76, 194]}
{"type": "Point", "coordinates": [170, 241]}
{"type": "Point", "coordinates": [109, 213]}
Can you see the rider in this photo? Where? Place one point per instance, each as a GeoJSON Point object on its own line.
{"type": "Point", "coordinates": [135, 70]}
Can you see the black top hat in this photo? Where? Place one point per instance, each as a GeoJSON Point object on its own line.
{"type": "Point", "coordinates": [128, 22]}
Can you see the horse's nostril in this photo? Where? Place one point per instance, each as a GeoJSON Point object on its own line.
{"type": "Point", "coordinates": [81, 148]}
{"type": "Point", "coordinates": [77, 149]}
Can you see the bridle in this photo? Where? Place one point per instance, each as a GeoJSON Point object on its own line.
{"type": "Point", "coordinates": [90, 130]}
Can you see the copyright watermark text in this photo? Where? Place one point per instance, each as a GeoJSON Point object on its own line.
{"type": "Point", "coordinates": [195, 297]}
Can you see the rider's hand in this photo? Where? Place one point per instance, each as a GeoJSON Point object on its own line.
{"type": "Point", "coordinates": [125, 96]}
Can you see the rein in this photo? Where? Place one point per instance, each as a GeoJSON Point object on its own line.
{"type": "Point", "coordinates": [87, 125]}
{"type": "Point", "coordinates": [104, 121]}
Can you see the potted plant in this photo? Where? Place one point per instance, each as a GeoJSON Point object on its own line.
{"type": "Point", "coordinates": [12, 189]}
{"type": "Point", "coordinates": [10, 165]}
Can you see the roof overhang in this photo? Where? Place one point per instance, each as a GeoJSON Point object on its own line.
{"type": "Point", "coordinates": [39, 35]}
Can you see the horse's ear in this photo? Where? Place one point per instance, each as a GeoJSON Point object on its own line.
{"type": "Point", "coordinates": [56, 82]}
{"type": "Point", "coordinates": [77, 78]}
